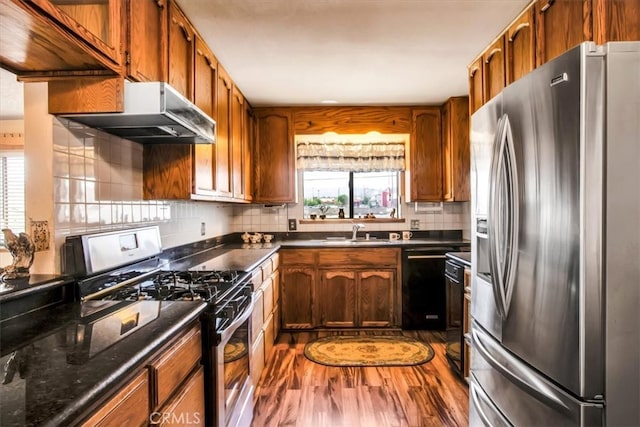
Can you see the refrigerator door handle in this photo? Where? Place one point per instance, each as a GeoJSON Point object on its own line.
{"type": "Point", "coordinates": [503, 217]}
{"type": "Point", "coordinates": [486, 410]}
{"type": "Point", "coordinates": [517, 372]}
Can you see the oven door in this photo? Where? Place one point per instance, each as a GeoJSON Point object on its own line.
{"type": "Point", "coordinates": [234, 390]}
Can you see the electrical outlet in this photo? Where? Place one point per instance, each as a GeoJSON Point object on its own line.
{"type": "Point", "coordinates": [292, 224]}
{"type": "Point", "coordinates": [202, 229]}
{"type": "Point", "coordinates": [415, 224]}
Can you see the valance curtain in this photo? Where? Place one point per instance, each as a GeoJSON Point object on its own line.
{"type": "Point", "coordinates": [350, 156]}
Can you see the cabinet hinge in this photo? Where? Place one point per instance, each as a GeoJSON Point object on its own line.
{"type": "Point", "coordinates": [127, 58]}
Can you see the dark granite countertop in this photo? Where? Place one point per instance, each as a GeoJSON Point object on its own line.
{"type": "Point", "coordinates": [463, 258]}
{"type": "Point", "coordinates": [16, 288]}
{"type": "Point", "coordinates": [56, 378]}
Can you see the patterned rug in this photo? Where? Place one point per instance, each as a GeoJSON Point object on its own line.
{"type": "Point", "coordinates": [343, 350]}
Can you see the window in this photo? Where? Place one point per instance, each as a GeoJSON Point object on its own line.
{"type": "Point", "coordinates": [12, 203]}
{"type": "Point", "coordinates": [351, 176]}
{"type": "Point", "coordinates": [357, 194]}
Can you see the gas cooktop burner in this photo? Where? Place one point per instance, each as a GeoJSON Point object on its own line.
{"type": "Point", "coordinates": [179, 286]}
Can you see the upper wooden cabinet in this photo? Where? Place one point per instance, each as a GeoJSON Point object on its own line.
{"type": "Point", "coordinates": [494, 73]}
{"type": "Point", "coordinates": [544, 30]}
{"type": "Point", "coordinates": [425, 156]}
{"type": "Point", "coordinates": [274, 157]}
{"type": "Point", "coordinates": [47, 38]}
{"type": "Point", "coordinates": [476, 86]}
{"type": "Point", "coordinates": [146, 47]}
{"type": "Point", "coordinates": [520, 46]}
{"type": "Point", "coordinates": [248, 143]}
{"type": "Point", "coordinates": [561, 25]}
{"type": "Point", "coordinates": [223, 179]}
{"type": "Point", "coordinates": [456, 155]}
{"type": "Point", "coordinates": [181, 52]}
{"type": "Point", "coordinates": [238, 149]}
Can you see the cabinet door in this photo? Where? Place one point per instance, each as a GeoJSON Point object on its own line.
{"type": "Point", "coordinates": [297, 286]}
{"type": "Point", "coordinates": [521, 46]}
{"type": "Point", "coordinates": [181, 51]}
{"type": "Point", "coordinates": [223, 134]}
{"type": "Point", "coordinates": [187, 407]}
{"type": "Point", "coordinates": [561, 25]}
{"type": "Point", "coordinates": [375, 298]}
{"type": "Point", "coordinates": [337, 298]}
{"type": "Point", "coordinates": [129, 406]}
{"type": "Point", "coordinates": [455, 123]}
{"type": "Point", "coordinates": [146, 53]}
{"type": "Point", "coordinates": [476, 86]}
{"type": "Point", "coordinates": [238, 153]}
{"type": "Point", "coordinates": [205, 83]}
{"type": "Point", "coordinates": [617, 20]}
{"type": "Point", "coordinates": [494, 70]}
{"type": "Point", "coordinates": [98, 23]}
{"type": "Point", "coordinates": [248, 144]}
{"type": "Point", "coordinates": [425, 174]}
{"type": "Point", "coordinates": [274, 157]}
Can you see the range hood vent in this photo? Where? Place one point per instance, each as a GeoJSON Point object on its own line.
{"type": "Point", "coordinates": [154, 112]}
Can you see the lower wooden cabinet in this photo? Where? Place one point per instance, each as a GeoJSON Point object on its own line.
{"type": "Point", "coordinates": [168, 391]}
{"type": "Point", "coordinates": [128, 407]}
{"type": "Point", "coordinates": [187, 407]}
{"type": "Point", "coordinates": [339, 288]}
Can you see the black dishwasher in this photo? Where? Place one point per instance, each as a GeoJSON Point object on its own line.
{"type": "Point", "coordinates": [424, 295]}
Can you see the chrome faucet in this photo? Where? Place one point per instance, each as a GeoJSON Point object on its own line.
{"type": "Point", "coordinates": [356, 227]}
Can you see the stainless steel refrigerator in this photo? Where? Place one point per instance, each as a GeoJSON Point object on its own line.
{"type": "Point", "coordinates": [556, 244]}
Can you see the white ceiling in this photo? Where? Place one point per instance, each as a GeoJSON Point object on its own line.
{"type": "Point", "coordinates": [356, 52]}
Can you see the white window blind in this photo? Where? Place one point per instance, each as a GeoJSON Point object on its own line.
{"type": "Point", "coordinates": [12, 204]}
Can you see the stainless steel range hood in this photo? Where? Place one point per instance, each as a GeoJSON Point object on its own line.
{"type": "Point", "coordinates": [154, 112]}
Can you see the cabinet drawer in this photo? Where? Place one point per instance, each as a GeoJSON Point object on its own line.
{"type": "Point", "coordinates": [267, 301]}
{"type": "Point", "coordinates": [171, 369]}
{"type": "Point", "coordinates": [268, 336]}
{"type": "Point", "coordinates": [275, 278]}
{"type": "Point", "coordinates": [267, 269]}
{"type": "Point", "coordinates": [130, 406]}
{"type": "Point", "coordinates": [257, 316]}
{"type": "Point", "coordinates": [257, 359]}
{"type": "Point", "coordinates": [187, 407]}
{"type": "Point", "coordinates": [256, 278]}
{"type": "Point", "coordinates": [275, 261]}
{"type": "Point", "coordinates": [361, 257]}
{"type": "Point", "coordinates": [297, 257]}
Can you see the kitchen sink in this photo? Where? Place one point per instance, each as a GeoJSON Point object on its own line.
{"type": "Point", "coordinates": [349, 242]}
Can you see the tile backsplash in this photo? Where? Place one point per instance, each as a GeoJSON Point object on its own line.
{"type": "Point", "coordinates": [97, 182]}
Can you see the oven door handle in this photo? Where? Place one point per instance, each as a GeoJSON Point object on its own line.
{"type": "Point", "coordinates": [224, 336]}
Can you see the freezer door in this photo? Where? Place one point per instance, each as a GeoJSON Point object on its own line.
{"type": "Point", "coordinates": [505, 391]}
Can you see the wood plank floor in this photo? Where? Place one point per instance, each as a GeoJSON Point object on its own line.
{"type": "Point", "coordinates": [293, 391]}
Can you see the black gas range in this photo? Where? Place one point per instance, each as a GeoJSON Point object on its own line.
{"type": "Point", "coordinates": [126, 266]}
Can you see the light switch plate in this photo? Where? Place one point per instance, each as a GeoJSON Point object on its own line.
{"type": "Point", "coordinates": [292, 224]}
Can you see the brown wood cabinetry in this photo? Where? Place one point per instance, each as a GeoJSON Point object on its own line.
{"type": "Point", "coordinates": [339, 288]}
{"type": "Point", "coordinates": [205, 85]}
{"type": "Point", "coordinates": [425, 156]}
{"type": "Point", "coordinates": [129, 406]}
{"type": "Point", "coordinates": [238, 148]}
{"type": "Point", "coordinates": [223, 134]}
{"type": "Point", "coordinates": [146, 52]}
{"type": "Point", "coordinates": [169, 389]}
{"type": "Point", "coordinates": [493, 71]}
{"type": "Point", "coordinates": [561, 25]}
{"type": "Point", "coordinates": [274, 158]}
{"type": "Point", "coordinates": [616, 20]}
{"type": "Point", "coordinates": [337, 298]}
{"type": "Point", "coordinates": [248, 140]}
{"type": "Point", "coordinates": [456, 149]}
{"type": "Point", "coordinates": [520, 46]}
{"type": "Point", "coordinates": [181, 52]}
{"type": "Point", "coordinates": [41, 38]}
{"type": "Point", "coordinates": [476, 86]}
{"type": "Point", "coordinates": [187, 407]}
